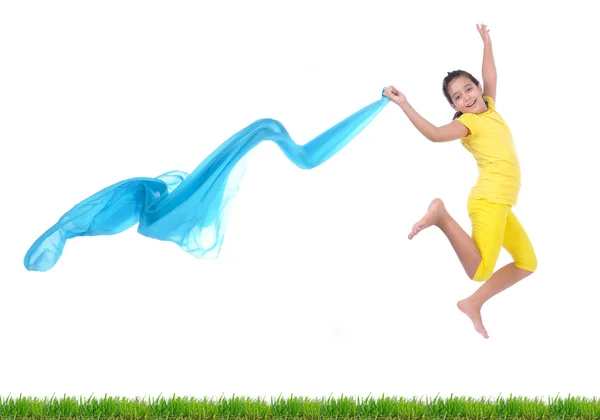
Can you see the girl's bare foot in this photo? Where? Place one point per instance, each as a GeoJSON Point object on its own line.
{"type": "Point", "coordinates": [434, 213]}
{"type": "Point", "coordinates": [473, 311]}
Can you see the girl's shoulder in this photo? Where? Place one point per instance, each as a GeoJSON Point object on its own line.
{"type": "Point", "coordinates": [491, 104]}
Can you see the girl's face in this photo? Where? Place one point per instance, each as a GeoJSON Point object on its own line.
{"type": "Point", "coordinates": [467, 97]}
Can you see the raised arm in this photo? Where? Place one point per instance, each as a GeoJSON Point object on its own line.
{"type": "Point", "coordinates": [488, 69]}
{"type": "Point", "coordinates": [452, 131]}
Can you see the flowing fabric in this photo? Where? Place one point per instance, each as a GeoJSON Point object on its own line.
{"type": "Point", "coordinates": [189, 209]}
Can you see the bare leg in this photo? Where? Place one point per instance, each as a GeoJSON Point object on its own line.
{"type": "Point", "coordinates": [470, 257]}
{"type": "Point", "coordinates": [502, 279]}
{"type": "Point", "coordinates": [463, 245]}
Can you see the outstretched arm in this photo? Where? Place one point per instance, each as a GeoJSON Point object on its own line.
{"type": "Point", "coordinates": [488, 66]}
{"type": "Point", "coordinates": [452, 131]}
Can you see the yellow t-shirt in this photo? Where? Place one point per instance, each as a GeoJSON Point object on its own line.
{"type": "Point", "coordinates": [492, 146]}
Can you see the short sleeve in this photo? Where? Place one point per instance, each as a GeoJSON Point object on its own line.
{"type": "Point", "coordinates": [471, 122]}
{"type": "Point", "coordinates": [491, 103]}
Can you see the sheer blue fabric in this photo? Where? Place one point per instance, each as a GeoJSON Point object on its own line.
{"type": "Point", "coordinates": [189, 209]}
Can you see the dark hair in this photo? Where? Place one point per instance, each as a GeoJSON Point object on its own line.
{"type": "Point", "coordinates": [449, 78]}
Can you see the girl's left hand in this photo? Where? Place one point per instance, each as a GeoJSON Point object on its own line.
{"type": "Point", "coordinates": [485, 33]}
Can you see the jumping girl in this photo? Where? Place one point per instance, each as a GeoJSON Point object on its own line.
{"type": "Point", "coordinates": [483, 133]}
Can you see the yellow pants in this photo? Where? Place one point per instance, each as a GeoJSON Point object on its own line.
{"type": "Point", "coordinates": [495, 226]}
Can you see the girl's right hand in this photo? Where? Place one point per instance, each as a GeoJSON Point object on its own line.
{"type": "Point", "coordinates": [394, 95]}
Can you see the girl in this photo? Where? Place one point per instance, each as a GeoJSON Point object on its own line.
{"type": "Point", "coordinates": [484, 133]}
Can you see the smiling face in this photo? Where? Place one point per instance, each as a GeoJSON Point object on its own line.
{"type": "Point", "coordinates": [467, 97]}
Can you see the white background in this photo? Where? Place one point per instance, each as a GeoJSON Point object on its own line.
{"type": "Point", "coordinates": [317, 290]}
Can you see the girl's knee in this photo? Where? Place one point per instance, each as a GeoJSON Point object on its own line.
{"type": "Point", "coordinates": [484, 271]}
{"type": "Point", "coordinates": [529, 264]}
{"type": "Point", "coordinates": [534, 263]}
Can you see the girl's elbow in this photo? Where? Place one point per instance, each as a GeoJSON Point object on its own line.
{"type": "Point", "coordinates": [433, 136]}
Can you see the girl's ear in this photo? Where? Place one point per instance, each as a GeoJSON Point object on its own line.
{"type": "Point", "coordinates": [480, 88]}
{"type": "Point", "coordinates": [454, 107]}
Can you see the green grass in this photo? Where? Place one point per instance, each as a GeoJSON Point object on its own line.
{"type": "Point", "coordinates": [23, 407]}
